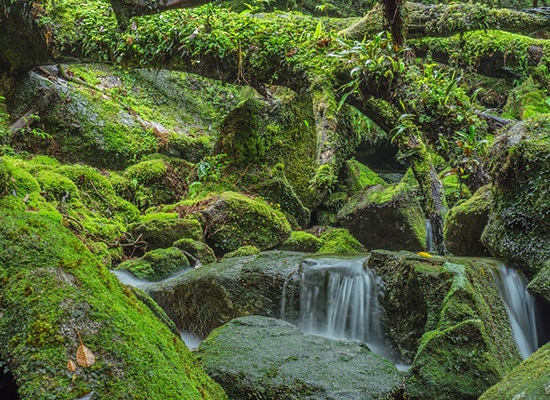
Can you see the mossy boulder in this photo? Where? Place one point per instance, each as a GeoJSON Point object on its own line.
{"type": "Point", "coordinates": [55, 296]}
{"type": "Point", "coordinates": [263, 134]}
{"type": "Point", "coordinates": [277, 189]}
{"type": "Point", "coordinates": [266, 358]}
{"type": "Point", "coordinates": [157, 180]}
{"type": "Point", "coordinates": [162, 233]}
{"type": "Point", "coordinates": [517, 229]}
{"type": "Point", "coordinates": [386, 217]}
{"type": "Point", "coordinates": [156, 264]}
{"type": "Point", "coordinates": [465, 222]}
{"type": "Point", "coordinates": [448, 316]}
{"type": "Point", "coordinates": [207, 297]}
{"type": "Point", "coordinates": [196, 251]}
{"type": "Point", "coordinates": [301, 241]}
{"type": "Point", "coordinates": [243, 252]}
{"type": "Point", "coordinates": [339, 241]}
{"type": "Point", "coordinates": [233, 220]}
{"type": "Point", "coordinates": [357, 176]}
{"type": "Point", "coordinates": [529, 380]}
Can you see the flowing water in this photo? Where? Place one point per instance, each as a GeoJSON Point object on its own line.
{"type": "Point", "coordinates": [520, 305]}
{"type": "Point", "coordinates": [339, 300]}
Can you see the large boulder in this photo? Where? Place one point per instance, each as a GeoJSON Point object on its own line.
{"type": "Point", "coordinates": [465, 222]}
{"type": "Point", "coordinates": [529, 380]}
{"type": "Point", "coordinates": [57, 300]}
{"type": "Point", "coordinates": [233, 220]}
{"type": "Point", "coordinates": [446, 314]}
{"type": "Point", "coordinates": [264, 358]}
{"type": "Point", "coordinates": [386, 217]}
{"type": "Point", "coordinates": [518, 228]}
{"type": "Point", "coordinates": [205, 298]}
{"type": "Point", "coordinates": [162, 232]}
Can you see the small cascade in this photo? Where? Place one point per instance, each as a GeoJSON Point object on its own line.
{"type": "Point", "coordinates": [520, 305]}
{"type": "Point", "coordinates": [429, 236]}
{"type": "Point", "coordinates": [339, 300]}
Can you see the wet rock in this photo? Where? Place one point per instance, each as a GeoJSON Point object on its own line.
{"type": "Point", "coordinates": [258, 357]}
{"type": "Point", "coordinates": [386, 217]}
{"type": "Point", "coordinates": [465, 222]}
{"type": "Point", "coordinates": [518, 228]}
{"type": "Point", "coordinates": [205, 298]}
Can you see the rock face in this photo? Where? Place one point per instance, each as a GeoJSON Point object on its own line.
{"type": "Point", "coordinates": [529, 380]}
{"type": "Point", "coordinates": [264, 358]}
{"type": "Point", "coordinates": [448, 314]}
{"type": "Point", "coordinates": [386, 217]}
{"type": "Point", "coordinates": [205, 298]}
{"type": "Point", "coordinates": [465, 222]}
{"type": "Point", "coordinates": [518, 228]}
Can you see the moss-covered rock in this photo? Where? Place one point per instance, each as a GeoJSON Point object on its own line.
{"type": "Point", "coordinates": [196, 251]}
{"type": "Point", "coordinates": [265, 358]}
{"type": "Point", "coordinates": [517, 229]}
{"type": "Point", "coordinates": [162, 233]}
{"type": "Point", "coordinates": [529, 380]}
{"type": "Point", "coordinates": [386, 217]}
{"type": "Point", "coordinates": [233, 220]}
{"type": "Point", "coordinates": [243, 252]}
{"type": "Point", "coordinates": [157, 180]}
{"type": "Point", "coordinates": [465, 222]}
{"type": "Point", "coordinates": [339, 241]}
{"type": "Point", "coordinates": [357, 176]}
{"type": "Point", "coordinates": [301, 241]}
{"type": "Point", "coordinates": [267, 133]}
{"type": "Point", "coordinates": [448, 313]}
{"type": "Point", "coordinates": [156, 264]}
{"type": "Point", "coordinates": [540, 284]}
{"type": "Point", "coordinates": [207, 297]}
{"type": "Point", "coordinates": [56, 296]}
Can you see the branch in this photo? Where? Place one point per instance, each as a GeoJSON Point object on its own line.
{"type": "Point", "coordinates": [449, 19]}
{"type": "Point", "coordinates": [126, 9]}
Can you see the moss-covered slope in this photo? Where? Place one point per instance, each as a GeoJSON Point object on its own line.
{"type": "Point", "coordinates": [55, 295]}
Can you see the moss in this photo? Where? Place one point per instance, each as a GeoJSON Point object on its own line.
{"type": "Point", "coordinates": [455, 190]}
{"type": "Point", "coordinates": [465, 222]}
{"type": "Point", "coordinates": [301, 241]}
{"type": "Point", "coordinates": [339, 241]}
{"type": "Point", "coordinates": [529, 380]}
{"type": "Point", "coordinates": [162, 233]}
{"type": "Point", "coordinates": [234, 220]}
{"type": "Point", "coordinates": [196, 251]}
{"type": "Point", "coordinates": [157, 264]}
{"type": "Point", "coordinates": [52, 288]}
{"type": "Point", "coordinates": [359, 176]}
{"type": "Point", "coordinates": [5, 175]}
{"type": "Point", "coordinates": [243, 252]}
{"type": "Point", "coordinates": [472, 346]}
{"type": "Point", "coordinates": [526, 100]}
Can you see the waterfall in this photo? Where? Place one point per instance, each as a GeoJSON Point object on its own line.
{"type": "Point", "coordinates": [429, 235]}
{"type": "Point", "coordinates": [520, 305]}
{"type": "Point", "coordinates": [339, 299]}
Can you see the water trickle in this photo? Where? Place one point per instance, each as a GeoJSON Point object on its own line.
{"type": "Point", "coordinates": [339, 299]}
{"type": "Point", "coordinates": [520, 305]}
{"type": "Point", "coordinates": [429, 235]}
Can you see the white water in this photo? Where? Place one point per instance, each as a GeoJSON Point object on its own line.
{"type": "Point", "coordinates": [520, 305]}
{"type": "Point", "coordinates": [339, 300]}
{"type": "Point", "coordinates": [429, 235]}
{"type": "Point", "coordinates": [191, 341]}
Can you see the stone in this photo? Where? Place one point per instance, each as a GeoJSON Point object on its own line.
{"type": "Point", "coordinates": [259, 357]}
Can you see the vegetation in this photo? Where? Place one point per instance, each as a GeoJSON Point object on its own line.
{"type": "Point", "coordinates": [174, 134]}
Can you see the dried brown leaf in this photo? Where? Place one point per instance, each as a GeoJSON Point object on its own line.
{"type": "Point", "coordinates": [84, 356]}
{"type": "Point", "coordinates": [71, 366]}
